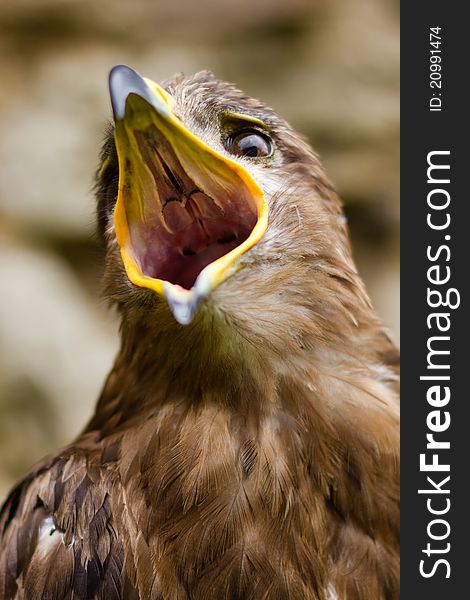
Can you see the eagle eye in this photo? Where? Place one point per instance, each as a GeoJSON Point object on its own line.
{"type": "Point", "coordinates": [249, 143]}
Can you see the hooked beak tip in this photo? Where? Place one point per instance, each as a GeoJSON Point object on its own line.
{"type": "Point", "coordinates": [124, 81]}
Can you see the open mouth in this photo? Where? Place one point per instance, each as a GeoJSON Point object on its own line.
{"type": "Point", "coordinates": [185, 229]}
{"type": "Point", "coordinates": [185, 213]}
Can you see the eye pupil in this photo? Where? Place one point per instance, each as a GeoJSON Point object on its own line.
{"type": "Point", "coordinates": [250, 144]}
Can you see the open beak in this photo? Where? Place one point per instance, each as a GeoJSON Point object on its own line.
{"type": "Point", "coordinates": [184, 213]}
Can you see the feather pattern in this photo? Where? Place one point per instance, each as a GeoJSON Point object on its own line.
{"type": "Point", "coordinates": [250, 455]}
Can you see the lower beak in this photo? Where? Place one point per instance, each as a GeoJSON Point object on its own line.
{"type": "Point", "coordinates": [184, 213]}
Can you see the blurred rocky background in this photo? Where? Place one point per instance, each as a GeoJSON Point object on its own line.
{"type": "Point", "coordinates": [329, 66]}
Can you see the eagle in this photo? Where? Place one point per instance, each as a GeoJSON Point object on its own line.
{"type": "Point", "coordinates": [245, 445]}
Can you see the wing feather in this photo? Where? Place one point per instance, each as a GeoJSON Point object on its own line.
{"type": "Point", "coordinates": [58, 536]}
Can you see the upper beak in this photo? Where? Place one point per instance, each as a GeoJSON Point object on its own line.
{"type": "Point", "coordinates": [185, 213]}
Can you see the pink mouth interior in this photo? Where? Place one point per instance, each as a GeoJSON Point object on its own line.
{"type": "Point", "coordinates": [186, 229]}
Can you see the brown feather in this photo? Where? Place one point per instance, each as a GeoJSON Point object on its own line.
{"type": "Point", "coordinates": [251, 454]}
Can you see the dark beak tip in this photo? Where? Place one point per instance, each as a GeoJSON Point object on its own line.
{"type": "Point", "coordinates": [124, 81]}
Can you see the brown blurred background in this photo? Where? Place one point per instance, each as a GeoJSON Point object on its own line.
{"type": "Point", "coordinates": [328, 66]}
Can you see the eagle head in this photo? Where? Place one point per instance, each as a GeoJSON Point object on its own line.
{"type": "Point", "coordinates": [214, 208]}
